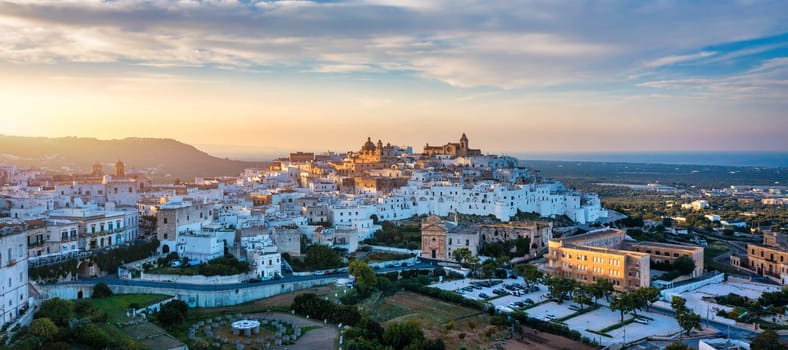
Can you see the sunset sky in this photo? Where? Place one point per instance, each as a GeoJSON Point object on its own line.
{"type": "Point", "coordinates": [516, 76]}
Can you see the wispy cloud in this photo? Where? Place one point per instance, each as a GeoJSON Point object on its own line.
{"type": "Point", "coordinates": [670, 60]}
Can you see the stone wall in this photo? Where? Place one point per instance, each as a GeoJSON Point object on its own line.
{"type": "Point", "coordinates": [195, 298]}
{"type": "Point", "coordinates": [199, 279]}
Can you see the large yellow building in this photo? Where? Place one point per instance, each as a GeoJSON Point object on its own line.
{"type": "Point", "coordinates": [605, 254]}
{"type": "Point", "coordinates": [769, 259]}
{"type": "Point", "coordinates": [589, 257]}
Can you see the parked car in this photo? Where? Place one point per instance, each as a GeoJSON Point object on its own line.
{"type": "Point", "coordinates": [528, 301]}
{"type": "Point", "coordinates": [499, 291]}
{"type": "Point", "coordinates": [484, 296]}
{"type": "Point", "coordinates": [254, 280]}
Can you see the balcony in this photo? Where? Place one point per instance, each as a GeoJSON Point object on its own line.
{"type": "Point", "coordinates": [11, 262]}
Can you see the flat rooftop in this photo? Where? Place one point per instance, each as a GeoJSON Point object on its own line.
{"type": "Point", "coordinates": [666, 245]}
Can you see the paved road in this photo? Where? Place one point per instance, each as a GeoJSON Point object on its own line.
{"type": "Point", "coordinates": [735, 332]}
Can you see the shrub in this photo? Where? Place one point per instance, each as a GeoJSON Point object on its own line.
{"type": "Point", "coordinates": [101, 290]}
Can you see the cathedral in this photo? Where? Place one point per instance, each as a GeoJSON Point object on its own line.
{"type": "Point", "coordinates": [370, 153]}
{"type": "Point", "coordinates": [460, 149]}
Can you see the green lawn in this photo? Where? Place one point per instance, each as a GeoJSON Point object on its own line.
{"type": "Point", "coordinates": [117, 305]}
{"type": "Point", "coordinates": [408, 305]}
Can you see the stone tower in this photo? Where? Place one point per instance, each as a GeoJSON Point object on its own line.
{"type": "Point", "coordinates": [97, 170]}
{"type": "Point", "coordinates": [120, 169]}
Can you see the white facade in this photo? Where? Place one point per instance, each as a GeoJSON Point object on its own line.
{"type": "Point", "coordinates": [200, 246]}
{"type": "Point", "coordinates": [13, 272]}
{"type": "Point", "coordinates": [263, 256]}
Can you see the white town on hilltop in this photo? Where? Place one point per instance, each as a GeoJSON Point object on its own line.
{"type": "Point", "coordinates": [461, 199]}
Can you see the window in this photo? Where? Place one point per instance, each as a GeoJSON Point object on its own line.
{"type": "Point", "coordinates": [165, 221]}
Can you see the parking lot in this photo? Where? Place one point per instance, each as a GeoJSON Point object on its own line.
{"type": "Point", "coordinates": [505, 294]}
{"type": "Point", "coordinates": [549, 310]}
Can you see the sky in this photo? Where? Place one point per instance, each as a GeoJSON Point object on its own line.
{"type": "Point", "coordinates": [516, 76]}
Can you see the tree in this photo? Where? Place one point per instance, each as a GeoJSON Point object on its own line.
{"type": "Point", "coordinates": [101, 290]}
{"type": "Point", "coordinates": [321, 257]}
{"type": "Point", "coordinates": [623, 303]}
{"type": "Point", "coordinates": [560, 287]}
{"type": "Point", "coordinates": [529, 273]}
{"type": "Point", "coordinates": [582, 295]}
{"type": "Point", "coordinates": [58, 310]}
{"type": "Point", "coordinates": [401, 335]}
{"type": "Point", "coordinates": [366, 280]}
{"type": "Point", "coordinates": [172, 314]}
{"type": "Point", "coordinates": [44, 329]}
{"type": "Point", "coordinates": [93, 335]}
{"type": "Point", "coordinates": [679, 305]}
{"type": "Point", "coordinates": [604, 288]}
{"type": "Point", "coordinates": [473, 263]}
{"type": "Point", "coordinates": [768, 340]}
{"type": "Point", "coordinates": [648, 295]}
{"type": "Point", "coordinates": [488, 268]}
{"type": "Point", "coordinates": [688, 321]}
{"type": "Point", "coordinates": [677, 346]}
{"type": "Point", "coordinates": [684, 264]}
{"type": "Point", "coordinates": [461, 255]}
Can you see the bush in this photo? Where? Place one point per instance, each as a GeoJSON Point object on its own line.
{"type": "Point", "coordinates": [224, 266]}
{"type": "Point", "coordinates": [94, 336]}
{"type": "Point", "coordinates": [58, 310]}
{"type": "Point", "coordinates": [172, 314]}
{"type": "Point", "coordinates": [101, 290]}
{"type": "Point", "coordinates": [44, 329]}
{"type": "Point", "coordinates": [317, 308]}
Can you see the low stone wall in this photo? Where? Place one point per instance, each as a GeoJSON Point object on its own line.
{"type": "Point", "coordinates": [213, 280]}
{"type": "Point", "coordinates": [195, 298]}
{"type": "Point", "coordinates": [667, 294]}
{"type": "Point", "coordinates": [395, 250]}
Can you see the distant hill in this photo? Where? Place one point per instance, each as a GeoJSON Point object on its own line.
{"type": "Point", "coordinates": [162, 159]}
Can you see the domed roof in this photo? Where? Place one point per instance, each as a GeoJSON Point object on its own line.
{"type": "Point", "coordinates": [369, 146]}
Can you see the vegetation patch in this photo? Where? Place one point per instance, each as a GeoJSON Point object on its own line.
{"type": "Point", "coordinates": [117, 305]}
{"type": "Point", "coordinates": [391, 234]}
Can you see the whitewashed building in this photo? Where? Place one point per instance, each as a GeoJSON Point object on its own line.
{"type": "Point", "coordinates": [13, 271]}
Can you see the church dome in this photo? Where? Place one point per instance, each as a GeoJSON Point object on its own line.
{"type": "Point", "coordinates": [369, 146]}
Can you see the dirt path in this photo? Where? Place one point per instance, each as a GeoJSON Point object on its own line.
{"type": "Point", "coordinates": [325, 337]}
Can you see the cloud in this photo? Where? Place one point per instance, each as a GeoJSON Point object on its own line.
{"type": "Point", "coordinates": [670, 60]}
{"type": "Point", "coordinates": [465, 43]}
{"type": "Point", "coordinates": [768, 80]}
